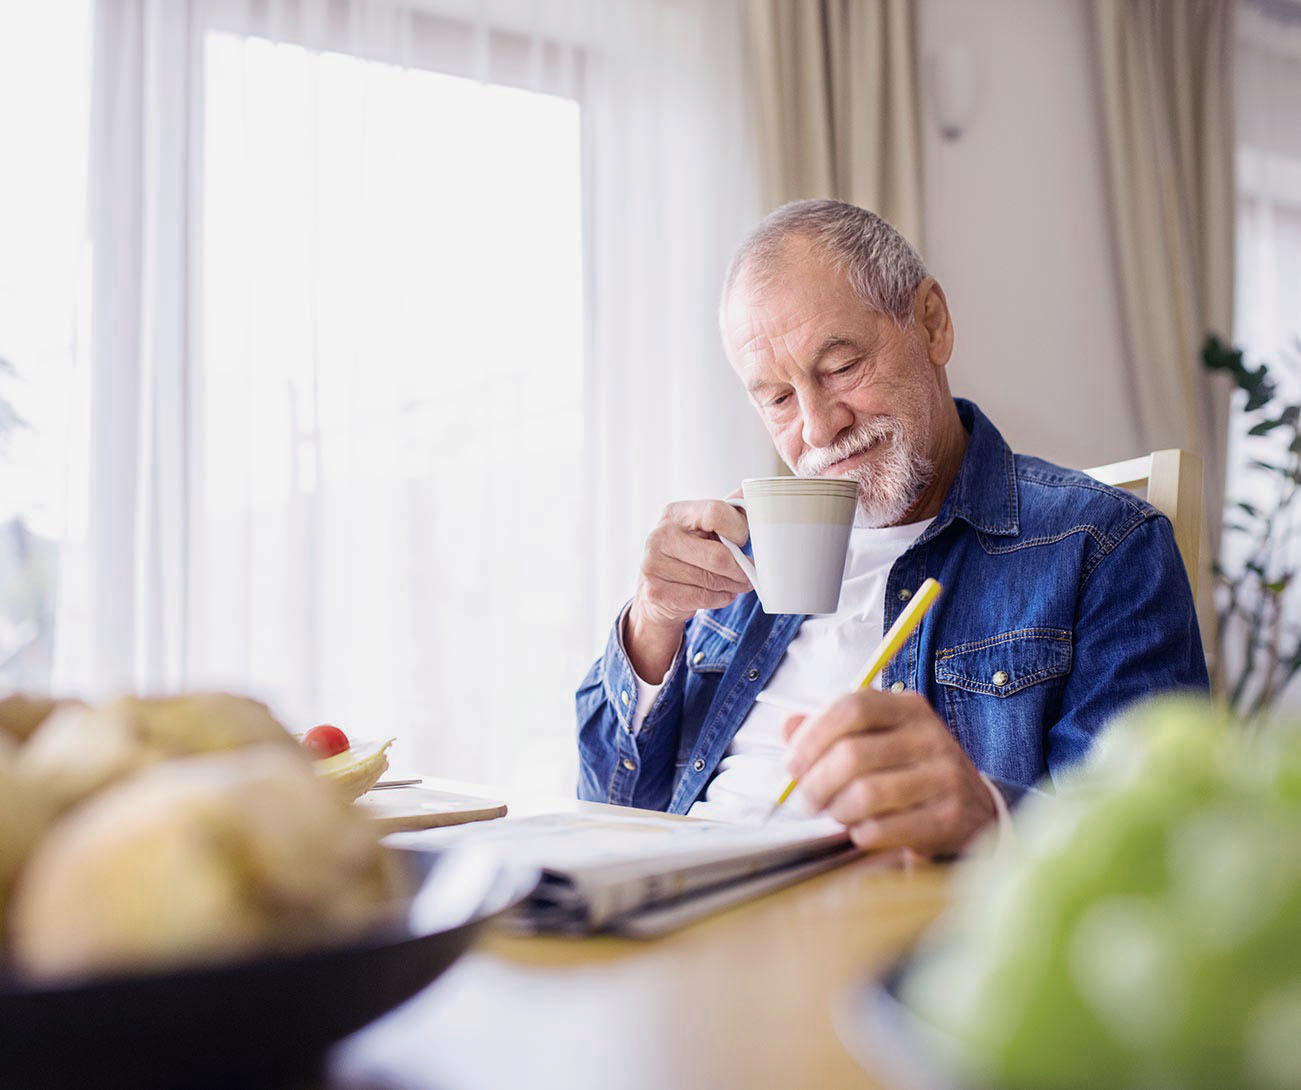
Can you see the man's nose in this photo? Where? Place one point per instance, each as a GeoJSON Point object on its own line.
{"type": "Point", "coordinates": [824, 420]}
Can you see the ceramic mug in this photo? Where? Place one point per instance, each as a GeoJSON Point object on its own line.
{"type": "Point", "coordinates": [799, 534]}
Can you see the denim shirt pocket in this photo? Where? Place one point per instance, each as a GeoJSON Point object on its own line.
{"type": "Point", "coordinates": [1000, 693]}
{"type": "Point", "coordinates": [710, 646]}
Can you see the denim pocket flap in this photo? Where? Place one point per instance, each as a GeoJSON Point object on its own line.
{"type": "Point", "coordinates": [710, 646]}
{"type": "Point", "coordinates": [1007, 663]}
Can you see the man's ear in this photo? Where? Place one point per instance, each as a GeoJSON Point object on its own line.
{"type": "Point", "coordinates": [933, 321]}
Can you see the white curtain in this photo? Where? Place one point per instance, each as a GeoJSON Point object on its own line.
{"type": "Point", "coordinates": [403, 331]}
{"type": "Point", "coordinates": [1267, 319]}
{"type": "Point", "coordinates": [44, 83]}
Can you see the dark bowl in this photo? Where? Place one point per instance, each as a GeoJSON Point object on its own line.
{"type": "Point", "coordinates": [255, 1022]}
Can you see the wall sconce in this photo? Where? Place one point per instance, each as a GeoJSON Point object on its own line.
{"type": "Point", "coordinates": [952, 72]}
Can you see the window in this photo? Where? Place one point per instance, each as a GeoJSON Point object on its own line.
{"type": "Point", "coordinates": [389, 405]}
{"type": "Point", "coordinates": [403, 331]}
{"type": "Point", "coordinates": [1267, 324]}
{"type": "Point", "coordinates": [1269, 192]}
{"type": "Point", "coordinates": [45, 59]}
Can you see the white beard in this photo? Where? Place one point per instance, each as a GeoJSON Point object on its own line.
{"type": "Point", "coordinates": [889, 485]}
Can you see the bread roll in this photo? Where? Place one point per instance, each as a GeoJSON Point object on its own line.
{"type": "Point", "coordinates": [199, 858]}
{"type": "Point", "coordinates": [78, 749]}
{"type": "Point", "coordinates": [20, 714]}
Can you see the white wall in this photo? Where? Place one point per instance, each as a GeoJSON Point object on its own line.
{"type": "Point", "coordinates": [1016, 229]}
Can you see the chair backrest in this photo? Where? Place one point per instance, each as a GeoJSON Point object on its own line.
{"type": "Point", "coordinates": [1173, 483]}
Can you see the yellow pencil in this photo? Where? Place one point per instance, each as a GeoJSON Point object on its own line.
{"type": "Point", "coordinates": [898, 635]}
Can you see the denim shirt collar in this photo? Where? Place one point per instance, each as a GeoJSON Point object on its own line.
{"type": "Point", "coordinates": [984, 492]}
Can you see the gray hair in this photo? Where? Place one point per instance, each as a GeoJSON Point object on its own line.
{"type": "Point", "coordinates": [883, 268]}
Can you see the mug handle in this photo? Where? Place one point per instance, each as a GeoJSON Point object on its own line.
{"type": "Point", "coordinates": [743, 561]}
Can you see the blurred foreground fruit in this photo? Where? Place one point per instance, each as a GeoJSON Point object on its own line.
{"type": "Point", "coordinates": [151, 831]}
{"type": "Point", "coordinates": [80, 748]}
{"type": "Point", "coordinates": [22, 713]}
{"type": "Point", "coordinates": [1145, 928]}
{"type": "Point", "coordinates": [199, 858]}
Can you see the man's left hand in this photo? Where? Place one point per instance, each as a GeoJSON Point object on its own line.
{"type": "Point", "coordinates": [886, 767]}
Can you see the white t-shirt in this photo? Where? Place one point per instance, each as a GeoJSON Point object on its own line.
{"type": "Point", "coordinates": [825, 660]}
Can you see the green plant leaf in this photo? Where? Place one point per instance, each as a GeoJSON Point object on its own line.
{"type": "Point", "coordinates": [1260, 391]}
{"type": "Point", "coordinates": [1218, 356]}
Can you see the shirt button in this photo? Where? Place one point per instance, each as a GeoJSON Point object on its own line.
{"type": "Point", "coordinates": [698, 764]}
{"type": "Point", "coordinates": [898, 687]}
{"type": "Point", "coordinates": [698, 657]}
{"type": "Point", "coordinates": [624, 697]}
{"type": "Point", "coordinates": [629, 765]}
{"type": "Point", "coordinates": [1000, 677]}
{"type": "Point", "coordinates": [753, 675]}
{"type": "Point", "coordinates": [905, 594]}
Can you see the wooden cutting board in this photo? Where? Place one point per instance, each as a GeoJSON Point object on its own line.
{"type": "Point", "coordinates": [406, 809]}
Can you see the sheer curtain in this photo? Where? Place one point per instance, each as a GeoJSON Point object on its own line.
{"type": "Point", "coordinates": [403, 330]}
{"type": "Point", "coordinates": [44, 92]}
{"type": "Point", "coordinates": [1267, 321]}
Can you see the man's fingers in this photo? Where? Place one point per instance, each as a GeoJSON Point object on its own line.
{"type": "Point", "coordinates": [712, 516]}
{"type": "Point", "coordinates": [704, 553]}
{"type": "Point", "coordinates": [672, 570]}
{"type": "Point", "coordinates": [791, 726]}
{"type": "Point", "coordinates": [877, 793]}
{"type": "Point", "coordinates": [864, 710]}
{"type": "Point", "coordinates": [682, 599]}
{"type": "Point", "coordinates": [852, 756]}
{"type": "Point", "coordinates": [923, 828]}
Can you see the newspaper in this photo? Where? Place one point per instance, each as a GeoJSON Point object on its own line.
{"type": "Point", "coordinates": [643, 875]}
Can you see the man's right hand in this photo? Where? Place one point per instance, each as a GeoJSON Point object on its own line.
{"type": "Point", "coordinates": [684, 568]}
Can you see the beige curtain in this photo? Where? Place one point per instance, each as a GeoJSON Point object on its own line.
{"type": "Point", "coordinates": [836, 103]}
{"type": "Point", "coordinates": [1166, 91]}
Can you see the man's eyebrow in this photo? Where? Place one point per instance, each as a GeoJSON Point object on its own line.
{"type": "Point", "coordinates": [830, 345]}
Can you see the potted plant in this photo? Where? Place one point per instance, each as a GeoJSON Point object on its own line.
{"type": "Point", "coordinates": [1258, 637]}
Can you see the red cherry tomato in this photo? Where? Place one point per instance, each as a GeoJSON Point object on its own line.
{"type": "Point", "coordinates": [325, 740]}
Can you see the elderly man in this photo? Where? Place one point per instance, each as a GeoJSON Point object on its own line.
{"type": "Point", "coordinates": [1064, 599]}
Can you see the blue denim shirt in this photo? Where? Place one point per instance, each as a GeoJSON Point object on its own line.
{"type": "Point", "coordinates": [1064, 600]}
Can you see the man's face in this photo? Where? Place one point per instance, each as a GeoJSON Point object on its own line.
{"type": "Point", "coordinates": [842, 391]}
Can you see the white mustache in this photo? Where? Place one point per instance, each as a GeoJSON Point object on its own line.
{"type": "Point", "coordinates": [814, 462]}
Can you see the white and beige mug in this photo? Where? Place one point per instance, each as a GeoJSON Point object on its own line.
{"type": "Point", "coordinates": [799, 534]}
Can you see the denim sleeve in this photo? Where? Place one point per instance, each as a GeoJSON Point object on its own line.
{"type": "Point", "coordinates": [1136, 635]}
{"type": "Point", "coordinates": [614, 765]}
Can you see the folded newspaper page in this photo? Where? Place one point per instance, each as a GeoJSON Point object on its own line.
{"type": "Point", "coordinates": [604, 871]}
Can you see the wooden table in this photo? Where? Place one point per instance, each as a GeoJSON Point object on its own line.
{"type": "Point", "coordinates": [745, 998]}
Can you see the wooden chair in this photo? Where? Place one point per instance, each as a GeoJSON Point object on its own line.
{"type": "Point", "coordinates": [1171, 481]}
